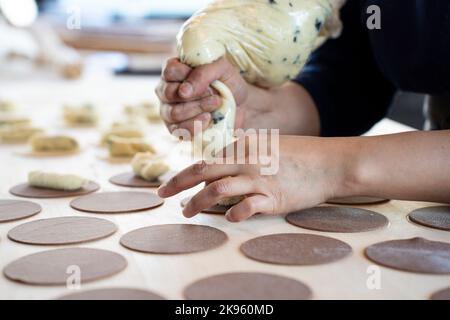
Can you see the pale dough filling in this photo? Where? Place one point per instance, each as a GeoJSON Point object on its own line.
{"type": "Point", "coordinates": [49, 180]}
{"type": "Point", "coordinates": [148, 167]}
{"type": "Point", "coordinates": [269, 41]}
{"type": "Point", "coordinates": [220, 133]}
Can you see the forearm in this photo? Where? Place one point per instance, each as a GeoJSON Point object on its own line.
{"type": "Point", "coordinates": [409, 166]}
{"type": "Point", "coordinates": [288, 108]}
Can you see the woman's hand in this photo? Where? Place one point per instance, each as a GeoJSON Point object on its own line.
{"type": "Point", "coordinates": [186, 95]}
{"type": "Point", "coordinates": [310, 171]}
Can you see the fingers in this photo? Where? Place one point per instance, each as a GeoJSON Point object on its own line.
{"type": "Point", "coordinates": [195, 174]}
{"type": "Point", "coordinates": [187, 129]}
{"type": "Point", "coordinates": [188, 110]}
{"type": "Point", "coordinates": [199, 79]}
{"type": "Point", "coordinates": [168, 92]}
{"type": "Point", "coordinates": [250, 206]}
{"type": "Point", "coordinates": [216, 191]}
{"type": "Point", "coordinates": [175, 71]}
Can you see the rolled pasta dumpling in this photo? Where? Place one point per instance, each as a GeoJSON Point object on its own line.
{"type": "Point", "coordinates": [84, 115]}
{"type": "Point", "coordinates": [148, 110]}
{"type": "Point", "coordinates": [122, 131]}
{"type": "Point", "coordinates": [18, 133]}
{"type": "Point", "coordinates": [53, 143]}
{"type": "Point", "coordinates": [128, 147]}
{"type": "Point", "coordinates": [148, 167]}
{"type": "Point", "coordinates": [49, 180]}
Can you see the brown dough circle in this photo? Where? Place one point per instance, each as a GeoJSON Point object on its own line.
{"type": "Point", "coordinates": [434, 217]}
{"type": "Point", "coordinates": [113, 294]}
{"type": "Point", "coordinates": [174, 238]}
{"type": "Point", "coordinates": [357, 200]}
{"type": "Point", "coordinates": [414, 255]}
{"type": "Point", "coordinates": [51, 267]}
{"type": "Point", "coordinates": [27, 191]}
{"type": "Point", "coordinates": [117, 202]}
{"type": "Point", "coordinates": [62, 230]}
{"type": "Point", "coordinates": [295, 249]}
{"type": "Point", "coordinates": [337, 219]}
{"type": "Point", "coordinates": [217, 209]}
{"type": "Point", "coordinates": [129, 179]}
{"type": "Point", "coordinates": [11, 210]}
{"type": "Point", "coordinates": [247, 286]}
{"type": "Point", "coordinates": [441, 295]}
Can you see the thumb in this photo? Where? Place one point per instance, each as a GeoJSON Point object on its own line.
{"type": "Point", "coordinates": [199, 79]}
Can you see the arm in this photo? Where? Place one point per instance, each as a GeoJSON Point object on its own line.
{"type": "Point", "coordinates": [344, 80]}
{"type": "Point", "coordinates": [408, 166]}
{"type": "Point", "coordinates": [289, 108]}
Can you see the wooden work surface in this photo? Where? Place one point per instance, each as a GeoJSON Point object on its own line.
{"type": "Point", "coordinates": [168, 275]}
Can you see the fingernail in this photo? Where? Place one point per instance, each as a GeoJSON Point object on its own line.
{"type": "Point", "coordinates": [186, 89]}
{"type": "Point", "coordinates": [173, 127]}
{"type": "Point", "coordinates": [186, 212]}
{"type": "Point", "coordinates": [213, 101]}
{"type": "Point", "coordinates": [162, 191]}
{"type": "Point", "coordinates": [228, 216]}
{"type": "Point", "coordinates": [205, 116]}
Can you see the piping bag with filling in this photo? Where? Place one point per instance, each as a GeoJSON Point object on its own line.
{"type": "Point", "coordinates": [268, 40]}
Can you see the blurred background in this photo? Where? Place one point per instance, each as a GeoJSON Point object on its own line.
{"type": "Point", "coordinates": [66, 38]}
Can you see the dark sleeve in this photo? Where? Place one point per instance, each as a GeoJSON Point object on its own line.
{"type": "Point", "coordinates": [344, 81]}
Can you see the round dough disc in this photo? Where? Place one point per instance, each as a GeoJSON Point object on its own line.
{"type": "Point", "coordinates": [357, 200]}
{"type": "Point", "coordinates": [247, 286]}
{"type": "Point", "coordinates": [11, 210]}
{"type": "Point", "coordinates": [433, 217]}
{"type": "Point", "coordinates": [117, 202]}
{"type": "Point", "coordinates": [113, 294]}
{"type": "Point", "coordinates": [413, 255]}
{"type": "Point", "coordinates": [129, 179]}
{"type": "Point", "coordinates": [441, 295]}
{"type": "Point", "coordinates": [213, 210]}
{"type": "Point", "coordinates": [27, 191]}
{"type": "Point", "coordinates": [337, 219]}
{"type": "Point", "coordinates": [56, 267]}
{"type": "Point", "coordinates": [295, 249]}
{"type": "Point", "coordinates": [174, 238]}
{"type": "Point", "coordinates": [62, 230]}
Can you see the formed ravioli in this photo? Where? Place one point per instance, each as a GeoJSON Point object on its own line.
{"type": "Point", "coordinates": [53, 143]}
{"type": "Point", "coordinates": [147, 109]}
{"type": "Point", "coordinates": [80, 115]}
{"type": "Point", "coordinates": [18, 133]}
{"type": "Point", "coordinates": [148, 167]}
{"type": "Point", "coordinates": [128, 147]}
{"type": "Point", "coordinates": [122, 131]}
